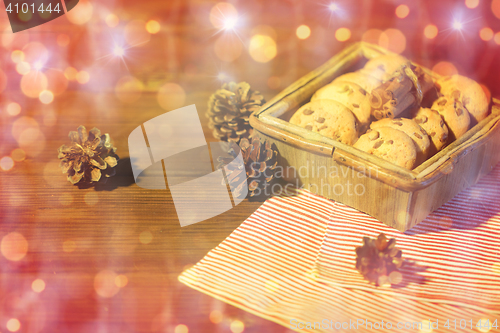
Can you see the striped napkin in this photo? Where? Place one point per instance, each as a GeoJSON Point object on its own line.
{"type": "Point", "coordinates": [282, 264]}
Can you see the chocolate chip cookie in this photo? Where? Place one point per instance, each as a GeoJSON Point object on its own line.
{"type": "Point", "coordinates": [455, 116]}
{"type": "Point", "coordinates": [433, 123]}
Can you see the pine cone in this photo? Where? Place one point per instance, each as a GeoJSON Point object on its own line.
{"type": "Point", "coordinates": [378, 260]}
{"type": "Point", "coordinates": [260, 164]}
{"type": "Point", "coordinates": [229, 110]}
{"type": "Point", "coordinates": [89, 157]}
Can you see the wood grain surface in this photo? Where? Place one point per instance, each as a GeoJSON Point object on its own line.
{"type": "Point", "coordinates": [79, 239]}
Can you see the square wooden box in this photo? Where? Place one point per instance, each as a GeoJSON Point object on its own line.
{"type": "Point", "coordinates": [396, 196]}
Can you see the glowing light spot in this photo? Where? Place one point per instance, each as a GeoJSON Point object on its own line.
{"type": "Point", "coordinates": [104, 284]}
{"type": "Point", "coordinates": [128, 89]}
{"type": "Point", "coordinates": [136, 34]}
{"type": "Point", "coordinates": [457, 25]}
{"type": "Point", "coordinates": [14, 246]}
{"type": "Point", "coordinates": [91, 198]}
{"type": "Point", "coordinates": [265, 30]}
{"type": "Point", "coordinates": [445, 222]}
{"type": "Point", "coordinates": [430, 31]}
{"type": "Point", "coordinates": [303, 32]}
{"type": "Point", "coordinates": [372, 36]}
{"type": "Point", "coordinates": [216, 317]}
{"type": "Point", "coordinates": [445, 68]}
{"type": "Point", "coordinates": [402, 11]}
{"type": "Point", "coordinates": [112, 20]}
{"type": "Point", "coordinates": [228, 47]}
{"type": "Point", "coordinates": [65, 199]}
{"type": "Point", "coordinates": [118, 51]}
{"type": "Point", "coordinates": [6, 163]}
{"type": "Point", "coordinates": [223, 77]}
{"type": "Point", "coordinates": [33, 83]}
{"type": "Point", "coordinates": [69, 245]}
{"type": "Point", "coordinates": [237, 326]}
{"type": "Point", "coordinates": [181, 329]}
{"type": "Point", "coordinates": [333, 7]}
{"type": "Point", "coordinates": [46, 97]}
{"type": "Point", "coordinates": [486, 34]}
{"type": "Point", "coordinates": [230, 23]}
{"type": "Point", "coordinates": [471, 3]}
{"type": "Point", "coordinates": [171, 96]}
{"type": "Point", "coordinates": [272, 285]}
{"type": "Point", "coordinates": [223, 15]}
{"type": "Point", "coordinates": [274, 82]}
{"type": "Point", "coordinates": [38, 65]}
{"type": "Point", "coordinates": [36, 54]}
{"type": "Point", "coordinates": [70, 73]}
{"type": "Point", "coordinates": [497, 38]}
{"type": "Point", "coordinates": [342, 34]}
{"type": "Point", "coordinates": [17, 56]}
{"type": "Point", "coordinates": [485, 325]}
{"type": "Point", "coordinates": [153, 27]}
{"type": "Point", "coordinates": [121, 281]}
{"type": "Point", "coordinates": [13, 109]}
{"type": "Point", "coordinates": [393, 40]}
{"type": "Point", "coordinates": [38, 285]}
{"type": "Point", "coordinates": [82, 77]}
{"type": "Point", "coordinates": [146, 237]}
{"type": "Point", "coordinates": [426, 326]}
{"type": "Point", "coordinates": [81, 14]}
{"type": "Point", "coordinates": [18, 155]}
{"type": "Point", "coordinates": [495, 8]}
{"type": "Point", "coordinates": [27, 133]}
{"type": "Point", "coordinates": [13, 325]}
{"type": "Point", "coordinates": [23, 68]}
{"type": "Point", "coordinates": [262, 48]}
{"type": "Point", "coordinates": [395, 277]}
{"type": "Point", "coordinates": [496, 268]}
{"type": "Point", "coordinates": [57, 81]}
{"type": "Point", "coordinates": [63, 40]}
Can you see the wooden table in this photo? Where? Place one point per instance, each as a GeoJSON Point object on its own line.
{"type": "Point", "coordinates": [77, 236]}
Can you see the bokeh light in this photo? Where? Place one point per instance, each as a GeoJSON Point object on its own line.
{"type": "Point", "coordinates": [402, 11]}
{"type": "Point", "coordinates": [17, 56]}
{"type": "Point", "coordinates": [153, 27]}
{"type": "Point", "coordinates": [262, 48]}
{"type": "Point", "coordinates": [471, 3]}
{"type": "Point", "coordinates": [35, 53]}
{"type": "Point", "coordinates": [13, 325]}
{"type": "Point", "coordinates": [221, 14]}
{"type": "Point", "coordinates": [303, 32]}
{"type": "Point", "coordinates": [81, 14]}
{"type": "Point", "coordinates": [371, 36]}
{"type": "Point", "coordinates": [28, 135]}
{"type": "Point", "coordinates": [69, 245]}
{"type": "Point", "coordinates": [497, 38]}
{"type": "Point", "coordinates": [13, 109]}
{"type": "Point", "coordinates": [63, 40]}
{"type": "Point", "coordinates": [430, 31]}
{"type": "Point", "coordinates": [65, 199]}
{"type": "Point", "coordinates": [393, 40]}
{"type": "Point", "coordinates": [136, 33]}
{"type": "Point", "coordinates": [91, 198]}
{"type": "Point", "coordinates": [23, 68]}
{"type": "Point", "coordinates": [14, 246]}
{"type": "Point", "coordinates": [228, 47]}
{"type": "Point", "coordinates": [445, 68]}
{"type": "Point", "coordinates": [485, 325]}
{"type": "Point", "coordinates": [14, 41]}
{"type": "Point", "coordinates": [146, 237]}
{"type": "Point", "coordinates": [6, 163]}
{"type": "Point", "coordinates": [38, 285]}
{"type": "Point", "coordinates": [343, 34]}
{"type": "Point", "coordinates": [237, 326]}
{"type": "Point", "coordinates": [216, 317]}
{"type": "Point", "coordinates": [426, 326]}
{"type": "Point", "coordinates": [272, 285]}
{"type": "Point", "coordinates": [18, 155]}
{"type": "Point", "coordinates": [457, 25]}
{"type": "Point", "coordinates": [496, 268]}
{"type": "Point", "coordinates": [33, 83]}
{"type": "Point", "coordinates": [83, 77]}
{"type": "Point", "coordinates": [71, 73]}
{"type": "Point", "coordinates": [495, 7]}
{"type": "Point", "coordinates": [128, 89]}
{"type": "Point", "coordinates": [395, 277]}
{"type": "Point", "coordinates": [104, 284]}
{"type": "Point", "coordinates": [486, 34]}
{"type": "Point", "coordinates": [112, 20]}
{"type": "Point", "coordinates": [171, 96]}
{"type": "Point", "coordinates": [181, 329]}
{"type": "Point", "coordinates": [265, 30]}
{"type": "Point", "coordinates": [121, 281]}
{"type": "Point", "coordinates": [46, 97]}
{"type": "Point", "coordinates": [57, 82]}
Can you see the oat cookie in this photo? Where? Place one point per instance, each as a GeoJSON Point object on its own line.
{"type": "Point", "coordinates": [329, 118]}
{"type": "Point", "coordinates": [390, 144]}
{"type": "Point", "coordinates": [455, 116]}
{"type": "Point", "coordinates": [365, 81]}
{"type": "Point", "coordinates": [349, 95]}
{"type": "Point", "coordinates": [433, 123]}
{"type": "Point", "coordinates": [468, 92]}
{"type": "Point", "coordinates": [413, 130]}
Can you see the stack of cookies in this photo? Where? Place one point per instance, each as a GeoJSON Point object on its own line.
{"type": "Point", "coordinates": [393, 109]}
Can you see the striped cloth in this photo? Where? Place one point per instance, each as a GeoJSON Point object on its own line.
{"type": "Point", "coordinates": [292, 261]}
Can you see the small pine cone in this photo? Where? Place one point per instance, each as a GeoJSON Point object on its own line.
{"type": "Point", "coordinates": [89, 157]}
{"type": "Point", "coordinates": [260, 163]}
{"type": "Point", "coordinates": [378, 258]}
{"type": "Point", "coordinates": [229, 110]}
